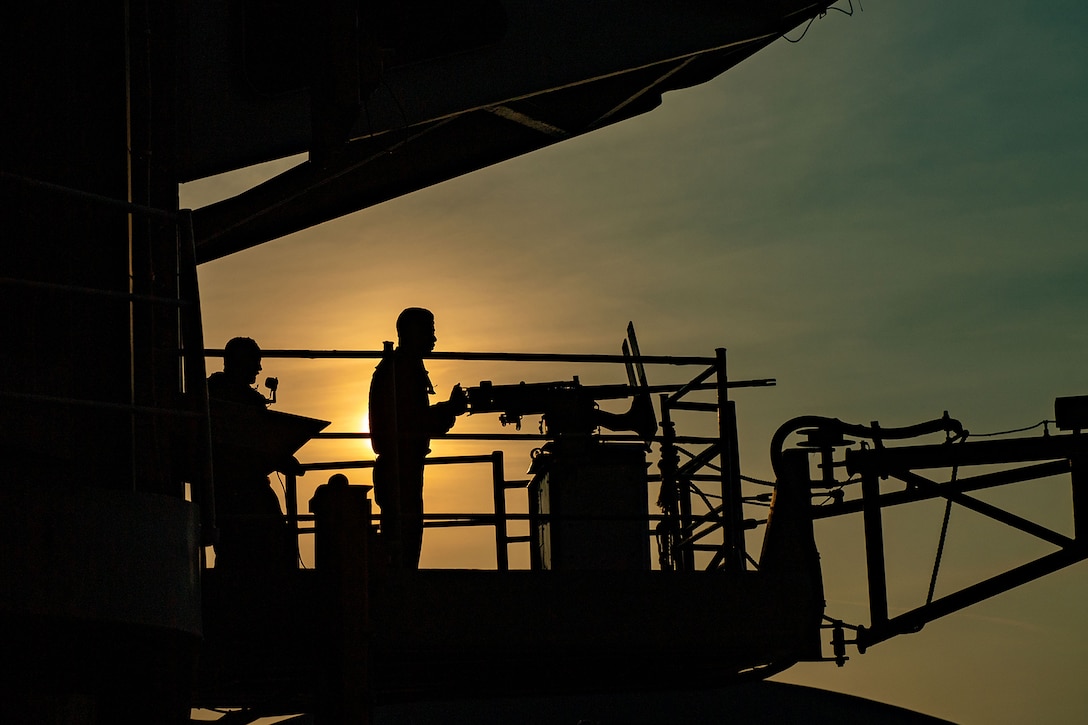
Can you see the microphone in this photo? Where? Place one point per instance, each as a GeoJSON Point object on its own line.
{"type": "Point", "coordinates": [272, 384]}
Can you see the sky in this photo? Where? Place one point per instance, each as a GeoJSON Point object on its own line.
{"type": "Point", "coordinates": [888, 217]}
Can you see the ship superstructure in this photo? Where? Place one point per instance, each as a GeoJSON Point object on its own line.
{"type": "Point", "coordinates": [108, 433]}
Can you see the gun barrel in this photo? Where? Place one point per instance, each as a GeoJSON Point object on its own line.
{"type": "Point", "coordinates": [538, 398]}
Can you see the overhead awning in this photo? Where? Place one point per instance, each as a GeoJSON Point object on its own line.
{"type": "Point", "coordinates": [534, 73]}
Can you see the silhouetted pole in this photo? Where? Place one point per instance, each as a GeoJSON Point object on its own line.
{"type": "Point", "coordinates": [874, 549]}
{"type": "Point", "coordinates": [732, 504]}
{"type": "Point", "coordinates": [669, 529]}
{"type": "Point", "coordinates": [1078, 472]}
{"type": "Point", "coordinates": [342, 522]}
{"type": "Point", "coordinates": [196, 383]}
{"type": "Point", "coordinates": [502, 541]}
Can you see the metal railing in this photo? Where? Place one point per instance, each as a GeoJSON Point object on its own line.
{"type": "Point", "coordinates": [695, 528]}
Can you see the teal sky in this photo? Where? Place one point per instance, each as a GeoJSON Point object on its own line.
{"type": "Point", "coordinates": [889, 217]}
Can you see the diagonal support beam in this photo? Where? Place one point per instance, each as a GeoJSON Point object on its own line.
{"type": "Point", "coordinates": [986, 509]}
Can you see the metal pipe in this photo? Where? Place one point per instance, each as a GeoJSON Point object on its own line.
{"type": "Point", "coordinates": [695, 383]}
{"type": "Point", "coordinates": [502, 555]}
{"type": "Point", "coordinates": [290, 504]}
{"type": "Point", "coordinates": [196, 380]}
{"type": "Point", "coordinates": [968, 453]}
{"type": "Point", "coordinates": [695, 440]}
{"type": "Point", "coordinates": [1079, 474]}
{"type": "Point", "coordinates": [486, 356]}
{"type": "Point", "coordinates": [993, 512]}
{"type": "Point", "coordinates": [970, 483]}
{"type": "Point", "coordinates": [874, 551]}
{"type": "Point", "coordinates": [732, 503]}
{"type": "Point", "coordinates": [915, 619]}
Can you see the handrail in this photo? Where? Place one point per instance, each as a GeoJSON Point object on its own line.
{"type": "Point", "coordinates": [592, 358]}
{"type": "Point", "coordinates": [694, 527]}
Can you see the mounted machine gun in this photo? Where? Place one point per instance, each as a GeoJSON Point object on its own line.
{"type": "Point", "coordinates": [587, 498]}
{"type": "Point", "coordinates": [569, 408]}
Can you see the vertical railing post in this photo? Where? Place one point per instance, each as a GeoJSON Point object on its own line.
{"type": "Point", "coordinates": [195, 378]}
{"type": "Point", "coordinates": [669, 530]}
{"type": "Point", "coordinates": [502, 537]}
{"type": "Point", "coordinates": [732, 503]}
{"type": "Point", "coordinates": [290, 504]}
{"type": "Point", "coordinates": [1078, 475]}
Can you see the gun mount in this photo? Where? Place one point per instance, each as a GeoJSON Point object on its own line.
{"type": "Point", "coordinates": [567, 408]}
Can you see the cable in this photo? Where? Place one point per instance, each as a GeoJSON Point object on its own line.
{"type": "Point", "coordinates": [848, 13]}
{"type": "Point", "coordinates": [804, 32]}
{"type": "Point", "coordinates": [941, 540]}
{"type": "Point", "coordinates": [1016, 430]}
{"type": "Point", "coordinates": [757, 481]}
{"type": "Point", "coordinates": [705, 497]}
